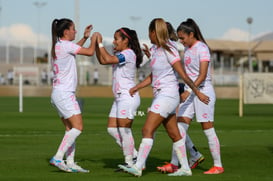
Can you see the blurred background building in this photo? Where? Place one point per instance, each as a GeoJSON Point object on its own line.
{"type": "Point", "coordinates": [229, 58]}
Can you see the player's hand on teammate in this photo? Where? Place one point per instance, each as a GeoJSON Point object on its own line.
{"type": "Point", "coordinates": [146, 50]}
{"type": "Point", "coordinates": [202, 97]}
{"type": "Point", "coordinates": [184, 96]}
{"type": "Point", "coordinates": [133, 90]}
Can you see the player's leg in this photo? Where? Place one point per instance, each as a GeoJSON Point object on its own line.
{"type": "Point", "coordinates": [178, 145]}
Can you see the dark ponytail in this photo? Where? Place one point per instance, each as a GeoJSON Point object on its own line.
{"type": "Point", "coordinates": [133, 43]}
{"type": "Point", "coordinates": [57, 31]}
{"type": "Point", "coordinates": [189, 26]}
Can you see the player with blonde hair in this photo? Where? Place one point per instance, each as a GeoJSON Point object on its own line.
{"type": "Point", "coordinates": [164, 60]}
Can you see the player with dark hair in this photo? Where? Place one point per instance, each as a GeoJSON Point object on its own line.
{"type": "Point", "coordinates": [125, 61]}
{"type": "Point", "coordinates": [197, 63]}
{"type": "Point", "coordinates": [63, 96]}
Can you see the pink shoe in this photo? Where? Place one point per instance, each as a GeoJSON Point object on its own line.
{"type": "Point", "coordinates": [167, 168]}
{"type": "Point", "coordinates": [215, 170]}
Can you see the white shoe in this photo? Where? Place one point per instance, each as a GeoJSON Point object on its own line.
{"type": "Point", "coordinates": [60, 164]}
{"type": "Point", "coordinates": [181, 172]}
{"type": "Point", "coordinates": [131, 170]}
{"type": "Point", "coordinates": [76, 168]}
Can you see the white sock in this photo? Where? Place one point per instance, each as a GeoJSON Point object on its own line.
{"type": "Point", "coordinates": [68, 139]}
{"type": "Point", "coordinates": [194, 153]}
{"type": "Point", "coordinates": [180, 150]}
{"type": "Point", "coordinates": [174, 159]}
{"type": "Point", "coordinates": [143, 152]}
{"type": "Point", "coordinates": [128, 144]}
{"type": "Point", "coordinates": [214, 146]}
{"type": "Point", "coordinates": [70, 154]}
{"type": "Point", "coordinates": [116, 135]}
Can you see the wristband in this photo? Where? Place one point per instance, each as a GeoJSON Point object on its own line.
{"type": "Point", "coordinates": [100, 45]}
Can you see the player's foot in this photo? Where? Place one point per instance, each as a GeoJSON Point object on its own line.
{"type": "Point", "coordinates": [135, 160]}
{"type": "Point", "coordinates": [167, 168]}
{"type": "Point", "coordinates": [120, 169]}
{"type": "Point", "coordinates": [215, 170]}
{"type": "Point", "coordinates": [76, 168]}
{"type": "Point", "coordinates": [181, 172]}
{"type": "Point", "coordinates": [133, 170]}
{"type": "Point", "coordinates": [193, 163]}
{"type": "Point", "coordinates": [60, 164]}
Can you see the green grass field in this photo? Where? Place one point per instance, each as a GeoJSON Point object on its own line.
{"type": "Point", "coordinates": [29, 139]}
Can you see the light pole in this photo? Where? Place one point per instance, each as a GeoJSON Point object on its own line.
{"type": "Point", "coordinates": [249, 21]}
{"type": "Point", "coordinates": [0, 13]}
{"type": "Point", "coordinates": [77, 17]}
{"type": "Point", "coordinates": [39, 5]}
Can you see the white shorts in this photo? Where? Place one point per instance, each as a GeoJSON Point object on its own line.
{"type": "Point", "coordinates": [65, 103]}
{"type": "Point", "coordinates": [165, 105]}
{"type": "Point", "coordinates": [125, 106]}
{"type": "Point", "coordinates": [193, 106]}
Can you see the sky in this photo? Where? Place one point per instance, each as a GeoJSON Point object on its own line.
{"type": "Point", "coordinates": [21, 21]}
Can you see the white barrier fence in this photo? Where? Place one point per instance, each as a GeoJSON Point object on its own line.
{"type": "Point", "coordinates": [255, 88]}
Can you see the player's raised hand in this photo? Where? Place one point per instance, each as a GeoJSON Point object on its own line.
{"type": "Point", "coordinates": [87, 31]}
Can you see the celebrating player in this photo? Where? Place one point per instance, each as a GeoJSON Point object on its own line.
{"type": "Point", "coordinates": [64, 86]}
{"type": "Point", "coordinates": [164, 59]}
{"type": "Point", "coordinates": [128, 57]}
{"type": "Point", "coordinates": [197, 65]}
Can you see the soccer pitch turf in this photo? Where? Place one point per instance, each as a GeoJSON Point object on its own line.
{"type": "Point", "coordinates": [29, 139]}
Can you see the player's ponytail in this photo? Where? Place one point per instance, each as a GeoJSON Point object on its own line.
{"type": "Point", "coordinates": [57, 31]}
{"type": "Point", "coordinates": [54, 38]}
{"type": "Point", "coordinates": [133, 43]}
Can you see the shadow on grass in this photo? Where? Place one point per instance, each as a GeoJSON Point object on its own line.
{"type": "Point", "coordinates": [151, 163]}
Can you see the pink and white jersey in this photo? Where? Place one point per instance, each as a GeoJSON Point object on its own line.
{"type": "Point", "coordinates": [124, 72]}
{"type": "Point", "coordinates": [164, 78]}
{"type": "Point", "coordinates": [192, 57]}
{"type": "Point", "coordinates": [64, 67]}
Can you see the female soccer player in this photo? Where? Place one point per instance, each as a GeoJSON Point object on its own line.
{"type": "Point", "coordinates": [173, 165]}
{"type": "Point", "coordinates": [125, 61]}
{"type": "Point", "coordinates": [195, 156]}
{"type": "Point", "coordinates": [64, 86]}
{"type": "Point", "coordinates": [197, 65]}
{"type": "Point", "coordinates": [164, 59]}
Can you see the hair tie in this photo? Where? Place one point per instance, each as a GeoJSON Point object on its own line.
{"type": "Point", "coordinates": [123, 32]}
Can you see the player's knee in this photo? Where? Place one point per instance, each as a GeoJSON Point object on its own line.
{"type": "Point", "coordinates": [147, 132]}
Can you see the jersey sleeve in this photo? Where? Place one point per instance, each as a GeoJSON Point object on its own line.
{"type": "Point", "coordinates": [126, 56]}
{"type": "Point", "coordinates": [73, 48]}
{"type": "Point", "coordinates": [174, 56]}
{"type": "Point", "coordinates": [121, 58]}
{"type": "Point", "coordinates": [204, 54]}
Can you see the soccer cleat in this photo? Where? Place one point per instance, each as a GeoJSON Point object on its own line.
{"type": "Point", "coordinates": [167, 168]}
{"type": "Point", "coordinates": [120, 169]}
{"type": "Point", "coordinates": [60, 164]}
{"type": "Point", "coordinates": [126, 165]}
{"type": "Point", "coordinates": [76, 168]}
{"type": "Point", "coordinates": [193, 163]}
{"type": "Point", "coordinates": [215, 170]}
{"type": "Point", "coordinates": [181, 172]}
{"type": "Point", "coordinates": [131, 170]}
